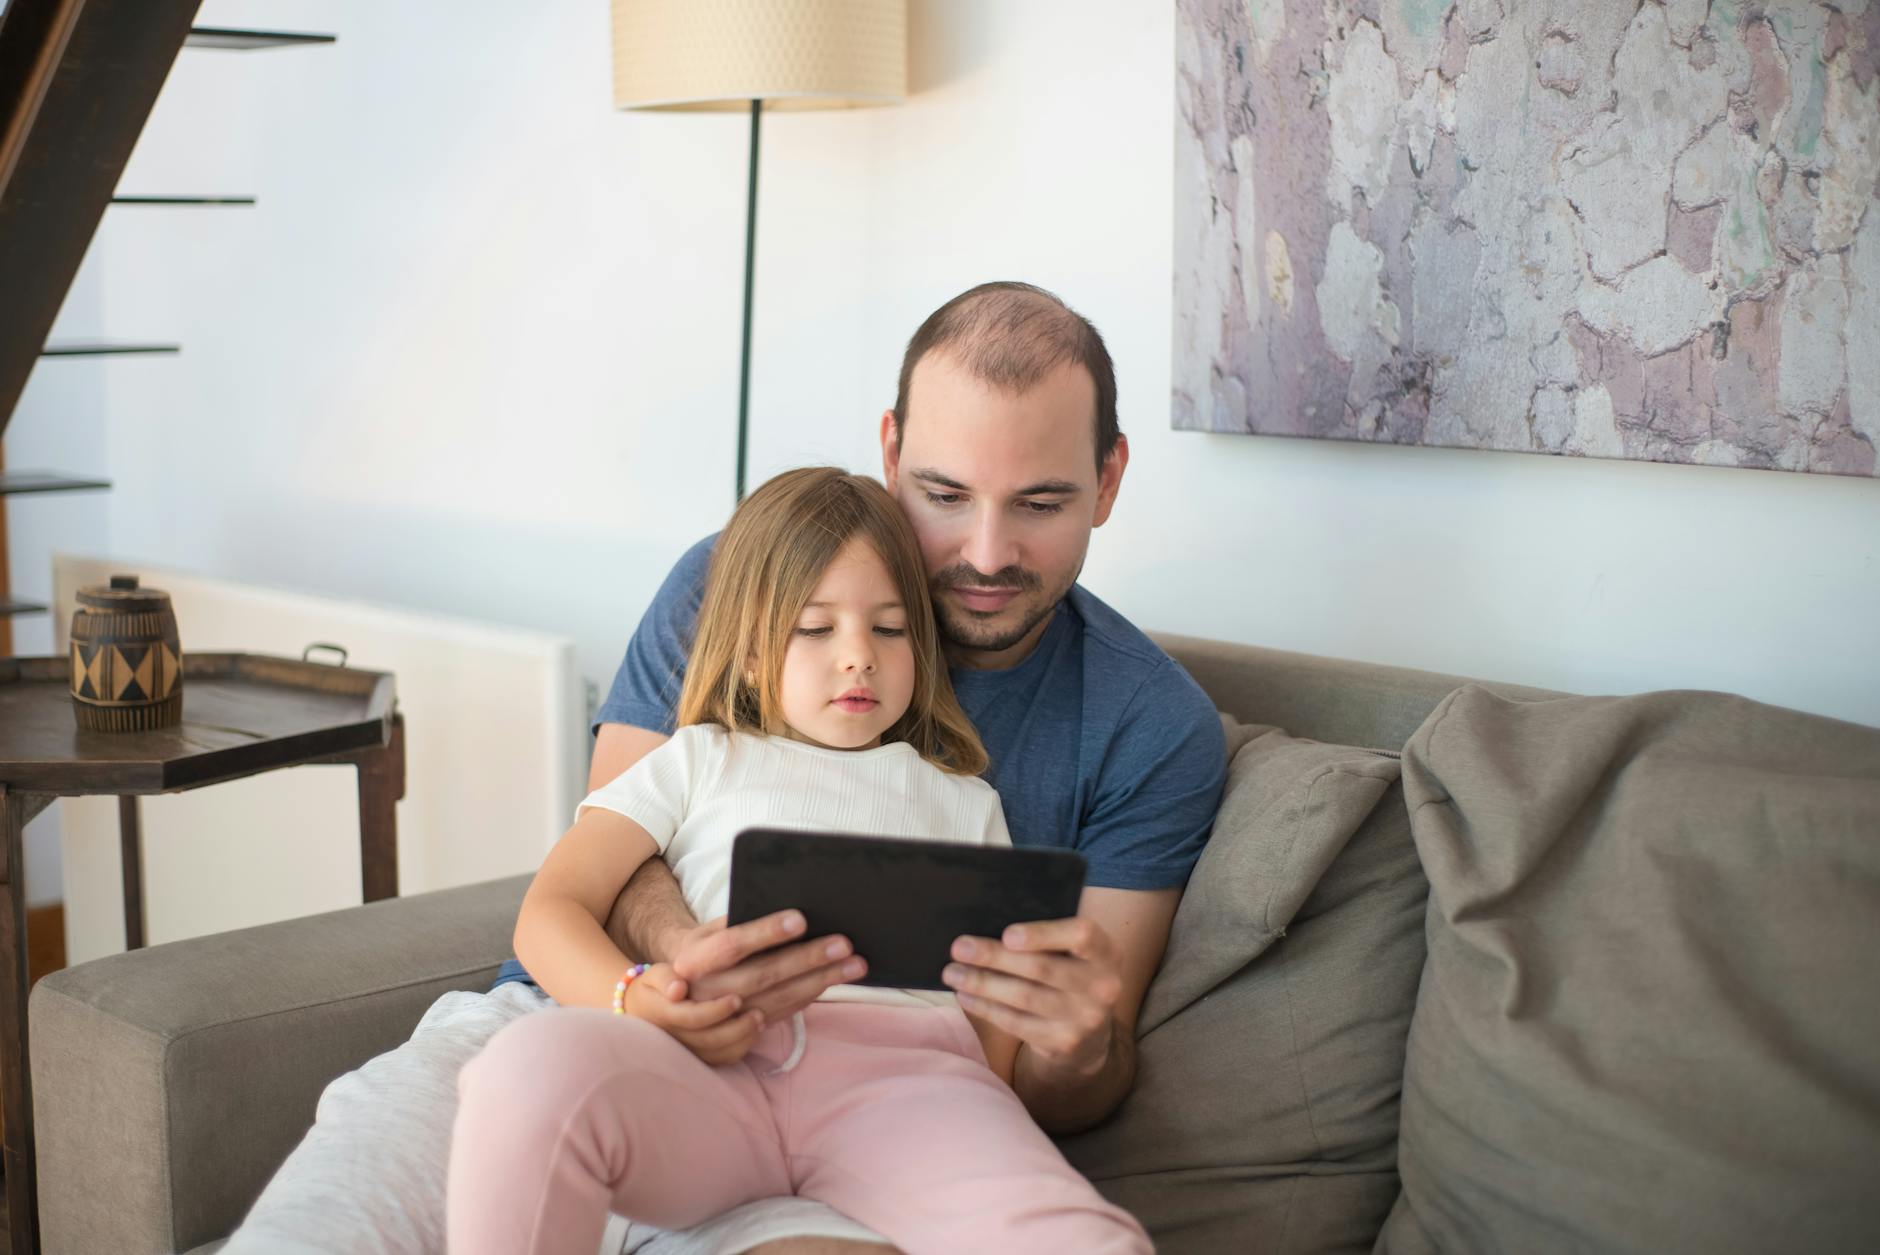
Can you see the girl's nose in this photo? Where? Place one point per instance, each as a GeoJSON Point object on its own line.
{"type": "Point", "coordinates": [860, 655]}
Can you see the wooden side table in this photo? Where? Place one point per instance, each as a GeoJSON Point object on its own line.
{"type": "Point", "coordinates": [243, 714]}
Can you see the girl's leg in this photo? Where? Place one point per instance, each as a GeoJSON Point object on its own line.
{"type": "Point", "coordinates": [570, 1112]}
{"type": "Point", "coordinates": [899, 1124]}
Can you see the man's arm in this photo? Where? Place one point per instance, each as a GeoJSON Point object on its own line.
{"type": "Point", "coordinates": [650, 919]}
{"type": "Point", "coordinates": [1070, 991]}
{"type": "Point", "coordinates": [617, 746]}
{"type": "Point", "coordinates": [1059, 1096]}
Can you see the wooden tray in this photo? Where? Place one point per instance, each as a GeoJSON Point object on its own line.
{"type": "Point", "coordinates": [242, 713]}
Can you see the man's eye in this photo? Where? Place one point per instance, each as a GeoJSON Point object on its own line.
{"type": "Point", "coordinates": [812, 631]}
{"type": "Point", "coordinates": [1044, 507]}
{"type": "Point", "coordinates": [943, 498]}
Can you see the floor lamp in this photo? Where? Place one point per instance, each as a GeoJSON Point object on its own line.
{"type": "Point", "coordinates": [722, 55]}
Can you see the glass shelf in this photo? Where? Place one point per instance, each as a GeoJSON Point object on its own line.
{"type": "Point", "coordinates": [182, 200]}
{"type": "Point", "coordinates": [234, 40]}
{"type": "Point", "coordinates": [12, 482]}
{"type": "Point", "coordinates": [102, 348]}
{"type": "Point", "coordinates": [10, 607]}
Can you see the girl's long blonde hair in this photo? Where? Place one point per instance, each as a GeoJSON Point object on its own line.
{"type": "Point", "coordinates": [764, 567]}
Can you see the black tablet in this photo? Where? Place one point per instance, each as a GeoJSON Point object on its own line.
{"type": "Point", "coordinates": [902, 902]}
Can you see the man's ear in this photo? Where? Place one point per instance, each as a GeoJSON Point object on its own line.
{"type": "Point", "coordinates": [1110, 478]}
{"type": "Point", "coordinates": [890, 451]}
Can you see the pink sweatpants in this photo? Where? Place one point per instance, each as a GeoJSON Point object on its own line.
{"type": "Point", "coordinates": [891, 1117]}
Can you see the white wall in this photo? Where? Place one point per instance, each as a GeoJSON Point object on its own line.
{"type": "Point", "coordinates": [58, 425]}
{"type": "Point", "coordinates": [475, 351]}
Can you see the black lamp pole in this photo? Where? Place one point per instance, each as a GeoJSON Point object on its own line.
{"type": "Point", "coordinates": [750, 261]}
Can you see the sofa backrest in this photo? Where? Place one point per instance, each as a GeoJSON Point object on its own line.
{"type": "Point", "coordinates": [1323, 699]}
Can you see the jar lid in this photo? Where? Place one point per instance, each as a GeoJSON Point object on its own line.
{"type": "Point", "coordinates": [123, 596]}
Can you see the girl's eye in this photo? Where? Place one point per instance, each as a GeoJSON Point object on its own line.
{"type": "Point", "coordinates": [812, 631]}
{"type": "Point", "coordinates": [890, 631]}
{"type": "Point", "coordinates": [943, 498]}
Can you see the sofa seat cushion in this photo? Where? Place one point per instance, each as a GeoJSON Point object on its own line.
{"type": "Point", "coordinates": [1649, 1018]}
{"type": "Point", "coordinates": [1264, 1116]}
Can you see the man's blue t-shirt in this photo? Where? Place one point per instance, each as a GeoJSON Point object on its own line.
{"type": "Point", "coordinates": [1099, 741]}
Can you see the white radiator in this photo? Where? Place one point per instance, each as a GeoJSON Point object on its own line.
{"type": "Point", "coordinates": [495, 757]}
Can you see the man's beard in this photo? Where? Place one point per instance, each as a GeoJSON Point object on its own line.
{"type": "Point", "coordinates": [969, 631]}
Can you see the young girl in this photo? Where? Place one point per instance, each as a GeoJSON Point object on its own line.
{"type": "Point", "coordinates": [815, 697]}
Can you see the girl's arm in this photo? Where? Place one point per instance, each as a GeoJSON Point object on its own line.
{"type": "Point", "coordinates": [559, 932]}
{"type": "Point", "coordinates": [560, 940]}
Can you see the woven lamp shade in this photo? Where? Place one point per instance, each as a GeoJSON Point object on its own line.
{"type": "Point", "coordinates": [790, 54]}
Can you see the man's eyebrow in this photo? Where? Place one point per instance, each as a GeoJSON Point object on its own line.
{"type": "Point", "coordinates": [1043, 488]}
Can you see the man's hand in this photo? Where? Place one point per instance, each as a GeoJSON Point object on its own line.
{"type": "Point", "coordinates": [1068, 993]}
{"type": "Point", "coordinates": [763, 964]}
{"type": "Point", "coordinates": [1053, 985]}
{"type": "Point", "coordinates": [713, 1030]}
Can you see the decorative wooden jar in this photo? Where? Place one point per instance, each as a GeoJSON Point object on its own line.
{"type": "Point", "coordinates": [127, 660]}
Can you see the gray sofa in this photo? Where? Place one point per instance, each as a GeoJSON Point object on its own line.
{"type": "Point", "coordinates": [1564, 974]}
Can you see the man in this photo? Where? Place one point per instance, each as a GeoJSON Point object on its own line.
{"type": "Point", "coordinates": [1004, 450]}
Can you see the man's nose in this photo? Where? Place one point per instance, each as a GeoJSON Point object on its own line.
{"type": "Point", "coordinates": [989, 546]}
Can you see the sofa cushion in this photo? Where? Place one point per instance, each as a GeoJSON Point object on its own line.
{"type": "Point", "coordinates": [1264, 1115]}
{"type": "Point", "coordinates": [1649, 1018]}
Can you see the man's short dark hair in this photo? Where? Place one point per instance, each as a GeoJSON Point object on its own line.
{"type": "Point", "coordinates": [1011, 335]}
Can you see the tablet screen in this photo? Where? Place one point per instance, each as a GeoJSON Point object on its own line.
{"type": "Point", "coordinates": [900, 901]}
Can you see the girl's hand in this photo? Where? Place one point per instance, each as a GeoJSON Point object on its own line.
{"type": "Point", "coordinates": [765, 962]}
{"type": "Point", "coordinates": [714, 1030]}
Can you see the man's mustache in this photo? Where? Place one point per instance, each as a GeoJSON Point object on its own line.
{"type": "Point", "coordinates": [963, 576]}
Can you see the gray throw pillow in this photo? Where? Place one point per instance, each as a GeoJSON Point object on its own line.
{"type": "Point", "coordinates": [1650, 1019]}
{"type": "Point", "coordinates": [1264, 1115]}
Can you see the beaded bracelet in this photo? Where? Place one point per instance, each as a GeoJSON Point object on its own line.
{"type": "Point", "coordinates": [620, 986]}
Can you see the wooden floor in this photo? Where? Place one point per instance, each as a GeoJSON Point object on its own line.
{"type": "Point", "coordinates": [45, 940]}
{"type": "Point", "coordinates": [45, 952]}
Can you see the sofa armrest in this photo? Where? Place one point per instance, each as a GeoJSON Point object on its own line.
{"type": "Point", "coordinates": [169, 1083]}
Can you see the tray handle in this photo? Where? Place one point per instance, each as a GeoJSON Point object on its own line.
{"type": "Point", "coordinates": [306, 655]}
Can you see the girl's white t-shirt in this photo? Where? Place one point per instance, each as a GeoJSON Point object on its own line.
{"type": "Point", "coordinates": [696, 792]}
